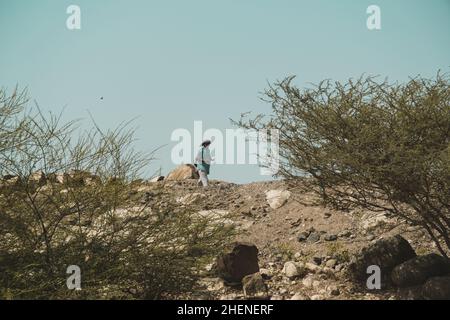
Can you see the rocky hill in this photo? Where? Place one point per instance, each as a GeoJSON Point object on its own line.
{"type": "Point", "coordinates": [304, 251]}
{"type": "Point", "coordinates": [287, 245]}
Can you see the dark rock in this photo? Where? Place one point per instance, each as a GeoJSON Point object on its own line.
{"type": "Point", "coordinates": [437, 288]}
{"type": "Point", "coordinates": [417, 270]}
{"type": "Point", "coordinates": [330, 237]}
{"type": "Point", "coordinates": [313, 237]}
{"type": "Point", "coordinates": [254, 286]}
{"type": "Point", "coordinates": [240, 260]}
{"type": "Point", "coordinates": [317, 260]}
{"type": "Point", "coordinates": [303, 236]}
{"type": "Point", "coordinates": [157, 178]}
{"type": "Point", "coordinates": [385, 253]}
{"type": "Point", "coordinates": [410, 293]}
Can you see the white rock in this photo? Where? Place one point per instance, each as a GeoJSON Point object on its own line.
{"type": "Point", "coordinates": [277, 198]}
{"type": "Point", "coordinates": [308, 282]}
{"type": "Point", "coordinates": [371, 221]}
{"type": "Point", "coordinates": [331, 263]}
{"type": "Point", "coordinates": [291, 270]}
{"type": "Point", "coordinates": [312, 267]}
{"type": "Point", "coordinates": [215, 216]}
{"type": "Point", "coordinates": [316, 297]}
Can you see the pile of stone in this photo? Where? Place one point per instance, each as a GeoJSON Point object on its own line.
{"type": "Point", "coordinates": [238, 266]}
{"type": "Point", "coordinates": [418, 276]}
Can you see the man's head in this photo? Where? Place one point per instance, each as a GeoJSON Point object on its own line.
{"type": "Point", "coordinates": [206, 143]}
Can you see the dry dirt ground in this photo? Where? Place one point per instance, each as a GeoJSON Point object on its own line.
{"type": "Point", "coordinates": [276, 234]}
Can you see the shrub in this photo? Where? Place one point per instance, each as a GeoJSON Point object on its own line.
{"type": "Point", "coordinates": [67, 199]}
{"type": "Point", "coordinates": [378, 146]}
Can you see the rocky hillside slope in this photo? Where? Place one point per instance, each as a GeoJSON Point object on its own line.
{"type": "Point", "coordinates": [303, 251]}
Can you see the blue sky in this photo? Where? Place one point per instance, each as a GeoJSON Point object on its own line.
{"type": "Point", "coordinates": [168, 63]}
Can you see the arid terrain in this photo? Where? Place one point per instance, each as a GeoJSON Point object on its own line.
{"type": "Point", "coordinates": [288, 230]}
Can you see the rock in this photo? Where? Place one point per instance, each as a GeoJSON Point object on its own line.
{"type": "Point", "coordinates": [254, 286]}
{"type": "Point", "coordinates": [345, 234]}
{"type": "Point", "coordinates": [293, 270]}
{"type": "Point", "coordinates": [370, 221]}
{"type": "Point", "coordinates": [298, 255]}
{"type": "Point", "coordinates": [80, 177]}
{"type": "Point", "coordinates": [317, 260]}
{"type": "Point", "coordinates": [10, 181]}
{"type": "Point", "coordinates": [276, 297]}
{"type": "Point", "coordinates": [240, 260]}
{"type": "Point", "coordinates": [417, 270]}
{"type": "Point", "coordinates": [410, 293]}
{"type": "Point", "coordinates": [333, 290]}
{"type": "Point", "coordinates": [326, 215]}
{"type": "Point", "coordinates": [212, 284]}
{"type": "Point", "coordinates": [303, 236]}
{"type": "Point", "coordinates": [246, 225]}
{"type": "Point", "coordinates": [277, 198]}
{"type": "Point", "coordinates": [311, 267]}
{"type": "Point", "coordinates": [283, 291]}
{"type": "Point", "coordinates": [183, 172]}
{"type": "Point", "coordinates": [299, 296]}
{"type": "Point", "coordinates": [385, 253]}
{"type": "Point", "coordinates": [437, 288]}
{"type": "Point", "coordinates": [331, 263]}
{"type": "Point", "coordinates": [339, 267]}
{"type": "Point", "coordinates": [265, 273]}
{"type": "Point", "coordinates": [330, 237]}
{"type": "Point", "coordinates": [215, 216]}
{"type": "Point", "coordinates": [157, 178]}
{"type": "Point", "coordinates": [317, 297]}
{"type": "Point", "coordinates": [308, 282]}
{"type": "Point", "coordinates": [328, 271]}
{"type": "Point", "coordinates": [313, 237]}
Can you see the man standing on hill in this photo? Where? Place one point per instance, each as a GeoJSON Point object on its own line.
{"type": "Point", "coordinates": [203, 162]}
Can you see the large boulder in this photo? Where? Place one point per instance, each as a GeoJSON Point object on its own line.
{"type": "Point", "coordinates": [277, 198]}
{"type": "Point", "coordinates": [238, 261]}
{"type": "Point", "coordinates": [417, 270]}
{"type": "Point", "coordinates": [385, 253]}
{"type": "Point", "coordinates": [183, 172]}
{"type": "Point", "coordinates": [437, 288]}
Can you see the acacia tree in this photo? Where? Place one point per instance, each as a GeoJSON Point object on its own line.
{"type": "Point", "coordinates": [67, 197]}
{"type": "Point", "coordinates": [363, 143]}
